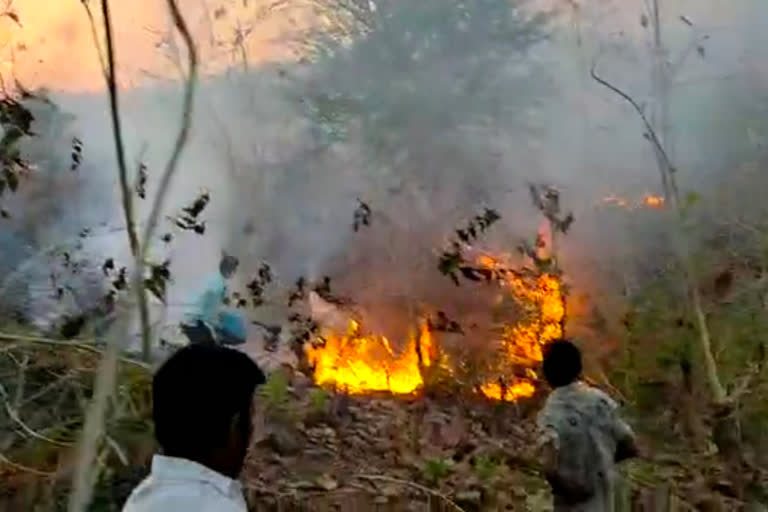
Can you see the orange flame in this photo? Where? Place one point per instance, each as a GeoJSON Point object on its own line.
{"type": "Point", "coordinates": [647, 201]}
{"type": "Point", "coordinates": [523, 342]}
{"type": "Point", "coordinates": [618, 201]}
{"type": "Point", "coordinates": [653, 201]}
{"type": "Point", "coordinates": [493, 390]}
{"type": "Point", "coordinates": [362, 363]}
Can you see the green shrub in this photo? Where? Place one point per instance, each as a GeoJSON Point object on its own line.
{"type": "Point", "coordinates": [486, 467]}
{"type": "Point", "coordinates": [436, 469]}
{"type": "Point", "coordinates": [318, 400]}
{"type": "Point", "coordinates": [274, 392]}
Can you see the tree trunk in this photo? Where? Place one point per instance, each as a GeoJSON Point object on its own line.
{"type": "Point", "coordinates": [672, 195]}
{"type": "Point", "coordinates": [691, 417]}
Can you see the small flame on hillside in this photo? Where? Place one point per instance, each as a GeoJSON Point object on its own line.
{"type": "Point", "coordinates": [362, 363]}
{"type": "Point", "coordinates": [647, 201]}
{"type": "Point", "coordinates": [654, 201]}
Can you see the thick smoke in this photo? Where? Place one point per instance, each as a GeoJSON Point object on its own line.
{"type": "Point", "coordinates": [441, 109]}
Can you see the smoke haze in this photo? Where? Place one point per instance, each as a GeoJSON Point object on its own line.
{"type": "Point", "coordinates": [428, 118]}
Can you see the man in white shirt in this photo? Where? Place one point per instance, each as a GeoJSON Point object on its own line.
{"type": "Point", "coordinates": [202, 398]}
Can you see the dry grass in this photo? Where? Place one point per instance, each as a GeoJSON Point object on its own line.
{"type": "Point", "coordinates": [45, 391]}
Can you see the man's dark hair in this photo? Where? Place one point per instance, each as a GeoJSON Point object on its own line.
{"type": "Point", "coordinates": [562, 363]}
{"type": "Point", "coordinates": [228, 265]}
{"type": "Point", "coordinates": [196, 395]}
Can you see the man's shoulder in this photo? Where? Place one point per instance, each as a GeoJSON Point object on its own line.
{"type": "Point", "coordinates": [601, 396]}
{"type": "Point", "coordinates": [215, 282]}
{"type": "Point", "coordinates": [585, 394]}
{"type": "Point", "coordinates": [577, 397]}
{"type": "Point", "coordinates": [172, 496]}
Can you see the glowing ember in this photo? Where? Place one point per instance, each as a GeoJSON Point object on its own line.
{"type": "Point", "coordinates": [653, 201]}
{"type": "Point", "coordinates": [618, 201]}
{"type": "Point", "coordinates": [647, 201]}
{"type": "Point", "coordinates": [360, 363]}
{"type": "Point", "coordinates": [514, 392]}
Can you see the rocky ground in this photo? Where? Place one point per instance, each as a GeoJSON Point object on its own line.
{"type": "Point", "coordinates": [337, 452]}
{"type": "Point", "coordinates": [324, 451]}
{"type": "Point", "coordinates": [321, 451]}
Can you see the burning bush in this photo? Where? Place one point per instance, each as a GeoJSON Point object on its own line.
{"type": "Point", "coordinates": [361, 362]}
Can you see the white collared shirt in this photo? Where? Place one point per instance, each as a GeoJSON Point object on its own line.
{"type": "Point", "coordinates": [185, 486]}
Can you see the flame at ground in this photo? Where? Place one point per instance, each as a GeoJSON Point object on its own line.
{"type": "Point", "coordinates": [523, 341]}
{"type": "Point", "coordinates": [654, 201]}
{"type": "Point", "coordinates": [361, 363]}
{"type": "Point", "coordinates": [495, 391]}
{"type": "Point", "coordinates": [648, 201]}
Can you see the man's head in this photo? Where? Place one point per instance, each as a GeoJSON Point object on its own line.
{"type": "Point", "coordinates": [228, 265]}
{"type": "Point", "coordinates": [202, 398]}
{"type": "Point", "coordinates": [562, 363]}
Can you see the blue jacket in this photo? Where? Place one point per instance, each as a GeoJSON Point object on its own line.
{"type": "Point", "coordinates": [209, 308]}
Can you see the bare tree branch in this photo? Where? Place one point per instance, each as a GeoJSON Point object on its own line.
{"type": "Point", "coordinates": [667, 171]}
{"type": "Point", "coordinates": [96, 41]}
{"type": "Point", "coordinates": [106, 378]}
{"type": "Point", "coordinates": [651, 133]}
{"type": "Point", "coordinates": [125, 188]}
{"type": "Point", "coordinates": [186, 121]}
{"type": "Point", "coordinates": [14, 415]}
{"type": "Point", "coordinates": [8, 462]}
{"type": "Point", "coordinates": [117, 130]}
{"type": "Point", "coordinates": [117, 449]}
{"type": "Point", "coordinates": [50, 387]}
{"type": "Point", "coordinates": [92, 433]}
{"type": "Point", "coordinates": [181, 140]}
{"type": "Point", "coordinates": [21, 382]}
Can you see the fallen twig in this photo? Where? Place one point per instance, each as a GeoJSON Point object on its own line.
{"type": "Point", "coordinates": [24, 427]}
{"type": "Point", "coordinates": [117, 449]}
{"type": "Point", "coordinates": [59, 380]}
{"type": "Point", "coordinates": [21, 382]}
{"type": "Point", "coordinates": [744, 385]}
{"type": "Point", "coordinates": [427, 490]}
{"type": "Point", "coordinates": [82, 345]}
{"type": "Point", "coordinates": [29, 431]}
{"type": "Point", "coordinates": [15, 465]}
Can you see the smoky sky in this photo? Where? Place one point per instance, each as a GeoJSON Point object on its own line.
{"type": "Point", "coordinates": [439, 111]}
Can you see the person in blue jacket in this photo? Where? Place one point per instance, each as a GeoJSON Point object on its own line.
{"type": "Point", "coordinates": [210, 322]}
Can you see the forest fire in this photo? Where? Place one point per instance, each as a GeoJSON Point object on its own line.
{"type": "Point", "coordinates": [361, 363]}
